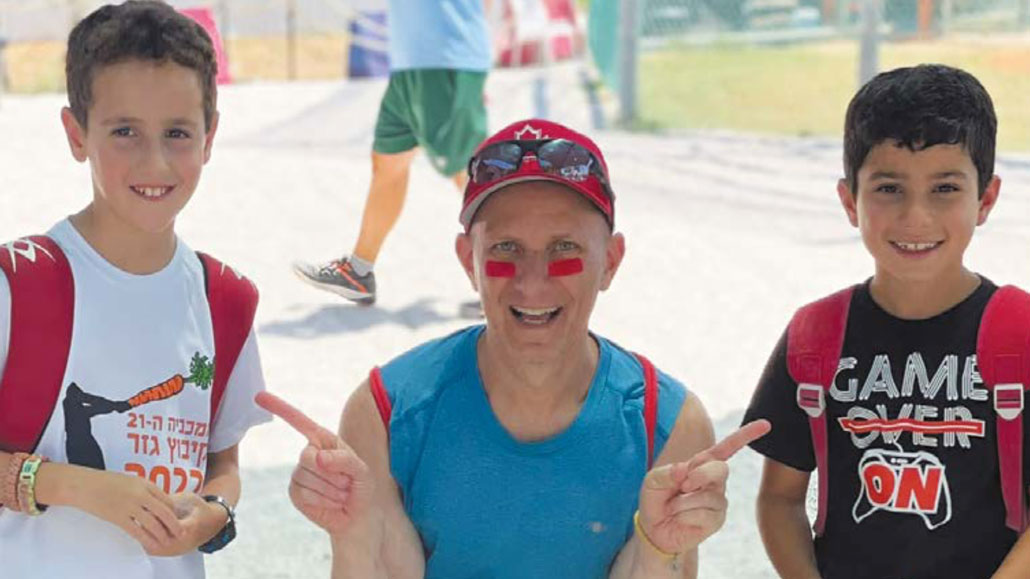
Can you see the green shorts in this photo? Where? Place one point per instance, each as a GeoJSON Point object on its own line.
{"type": "Point", "coordinates": [440, 110]}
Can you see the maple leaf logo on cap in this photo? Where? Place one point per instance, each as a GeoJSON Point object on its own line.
{"type": "Point", "coordinates": [536, 134]}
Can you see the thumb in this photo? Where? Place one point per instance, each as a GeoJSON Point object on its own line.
{"type": "Point", "coordinates": [669, 476]}
{"type": "Point", "coordinates": [341, 461]}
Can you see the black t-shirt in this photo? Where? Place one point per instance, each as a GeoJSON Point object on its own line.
{"type": "Point", "coordinates": [915, 494]}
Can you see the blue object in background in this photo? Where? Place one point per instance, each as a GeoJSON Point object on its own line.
{"type": "Point", "coordinates": [369, 51]}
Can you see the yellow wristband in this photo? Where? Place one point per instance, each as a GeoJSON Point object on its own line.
{"type": "Point", "coordinates": [27, 484]}
{"type": "Point", "coordinates": [645, 539]}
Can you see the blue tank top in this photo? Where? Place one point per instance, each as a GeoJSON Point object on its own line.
{"type": "Point", "coordinates": [487, 505]}
{"type": "Point", "coordinates": [439, 34]}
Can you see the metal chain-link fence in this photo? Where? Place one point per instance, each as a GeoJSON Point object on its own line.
{"type": "Point", "coordinates": [36, 20]}
{"type": "Point", "coordinates": [265, 39]}
{"type": "Point", "coordinates": [791, 66]}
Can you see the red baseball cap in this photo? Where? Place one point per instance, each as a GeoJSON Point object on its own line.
{"type": "Point", "coordinates": [598, 191]}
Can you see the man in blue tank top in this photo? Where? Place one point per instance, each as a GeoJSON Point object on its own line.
{"type": "Point", "coordinates": [439, 58]}
{"type": "Point", "coordinates": [529, 446]}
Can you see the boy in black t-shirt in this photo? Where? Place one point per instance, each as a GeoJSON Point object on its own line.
{"type": "Point", "coordinates": [912, 463]}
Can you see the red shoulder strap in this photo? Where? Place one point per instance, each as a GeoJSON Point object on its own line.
{"type": "Point", "coordinates": [42, 315]}
{"type": "Point", "coordinates": [1003, 357]}
{"type": "Point", "coordinates": [650, 405]}
{"type": "Point", "coordinates": [375, 382]}
{"type": "Point", "coordinates": [233, 301]}
{"type": "Point", "coordinates": [815, 338]}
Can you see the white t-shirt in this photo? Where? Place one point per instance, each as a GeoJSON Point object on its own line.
{"type": "Point", "coordinates": [131, 332]}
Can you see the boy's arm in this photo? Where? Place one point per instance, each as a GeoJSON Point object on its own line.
{"type": "Point", "coordinates": [135, 505]}
{"type": "Point", "coordinates": [1017, 564]}
{"type": "Point", "coordinates": [783, 522]}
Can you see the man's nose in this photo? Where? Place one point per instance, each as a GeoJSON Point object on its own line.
{"type": "Point", "coordinates": [532, 268]}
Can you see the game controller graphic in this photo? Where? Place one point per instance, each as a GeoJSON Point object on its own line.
{"type": "Point", "coordinates": [903, 482]}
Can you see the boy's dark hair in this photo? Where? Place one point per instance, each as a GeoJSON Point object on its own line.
{"type": "Point", "coordinates": [919, 107]}
{"type": "Point", "coordinates": [136, 30]}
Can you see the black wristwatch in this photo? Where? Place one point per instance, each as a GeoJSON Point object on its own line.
{"type": "Point", "coordinates": [228, 532]}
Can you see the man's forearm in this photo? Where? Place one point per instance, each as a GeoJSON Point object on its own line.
{"type": "Point", "coordinates": [788, 541]}
{"type": "Point", "coordinates": [357, 553]}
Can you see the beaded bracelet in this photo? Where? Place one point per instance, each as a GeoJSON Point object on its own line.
{"type": "Point", "coordinates": [645, 539]}
{"type": "Point", "coordinates": [27, 485]}
{"type": "Point", "coordinates": [9, 482]}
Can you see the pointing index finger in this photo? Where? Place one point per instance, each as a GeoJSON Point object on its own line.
{"type": "Point", "coordinates": [727, 447]}
{"type": "Point", "coordinates": [315, 433]}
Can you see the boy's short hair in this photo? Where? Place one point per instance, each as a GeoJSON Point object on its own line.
{"type": "Point", "coordinates": [144, 30]}
{"type": "Point", "coordinates": [919, 107]}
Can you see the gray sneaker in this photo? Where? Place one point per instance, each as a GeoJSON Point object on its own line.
{"type": "Point", "coordinates": [339, 277]}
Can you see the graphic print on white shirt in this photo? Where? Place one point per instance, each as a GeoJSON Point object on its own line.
{"type": "Point", "coordinates": [182, 435]}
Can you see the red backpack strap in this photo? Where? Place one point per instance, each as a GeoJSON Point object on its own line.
{"type": "Point", "coordinates": [1003, 357]}
{"type": "Point", "coordinates": [815, 338]}
{"type": "Point", "coordinates": [42, 315]}
{"type": "Point", "coordinates": [233, 301]}
{"type": "Point", "coordinates": [650, 405]}
{"type": "Point", "coordinates": [375, 384]}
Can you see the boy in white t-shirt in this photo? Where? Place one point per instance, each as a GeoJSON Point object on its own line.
{"type": "Point", "coordinates": [134, 456]}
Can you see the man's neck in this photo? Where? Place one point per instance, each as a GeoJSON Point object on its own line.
{"type": "Point", "coordinates": [130, 250]}
{"type": "Point", "coordinates": [536, 399]}
{"type": "Point", "coordinates": [921, 300]}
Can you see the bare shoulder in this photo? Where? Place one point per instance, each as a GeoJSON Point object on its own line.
{"type": "Point", "coordinates": [691, 433]}
{"type": "Point", "coordinates": [362, 428]}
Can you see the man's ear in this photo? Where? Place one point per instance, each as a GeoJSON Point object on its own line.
{"type": "Point", "coordinates": [209, 138]}
{"type": "Point", "coordinates": [989, 199]}
{"type": "Point", "coordinates": [613, 255]}
{"type": "Point", "coordinates": [76, 135]}
{"type": "Point", "coordinates": [848, 201]}
{"type": "Point", "coordinates": [463, 248]}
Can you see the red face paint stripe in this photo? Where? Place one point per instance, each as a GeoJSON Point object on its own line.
{"type": "Point", "coordinates": [565, 267]}
{"type": "Point", "coordinates": [500, 269]}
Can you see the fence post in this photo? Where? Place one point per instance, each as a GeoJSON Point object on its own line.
{"type": "Point", "coordinates": [224, 25]}
{"type": "Point", "coordinates": [947, 9]}
{"type": "Point", "coordinates": [291, 39]}
{"type": "Point", "coordinates": [628, 46]}
{"type": "Point", "coordinates": [869, 51]}
{"type": "Point", "coordinates": [3, 43]}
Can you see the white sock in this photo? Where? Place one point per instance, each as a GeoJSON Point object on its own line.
{"type": "Point", "coordinates": [360, 266]}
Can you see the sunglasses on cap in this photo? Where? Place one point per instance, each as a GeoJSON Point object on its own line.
{"type": "Point", "coordinates": [562, 158]}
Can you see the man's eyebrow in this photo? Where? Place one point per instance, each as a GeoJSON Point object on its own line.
{"type": "Point", "coordinates": [183, 121]}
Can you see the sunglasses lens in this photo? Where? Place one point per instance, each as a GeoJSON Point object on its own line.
{"type": "Point", "coordinates": [495, 162]}
{"type": "Point", "coordinates": [567, 159]}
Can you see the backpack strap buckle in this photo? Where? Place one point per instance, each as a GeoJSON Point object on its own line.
{"type": "Point", "coordinates": [1008, 400]}
{"type": "Point", "coordinates": [812, 399]}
